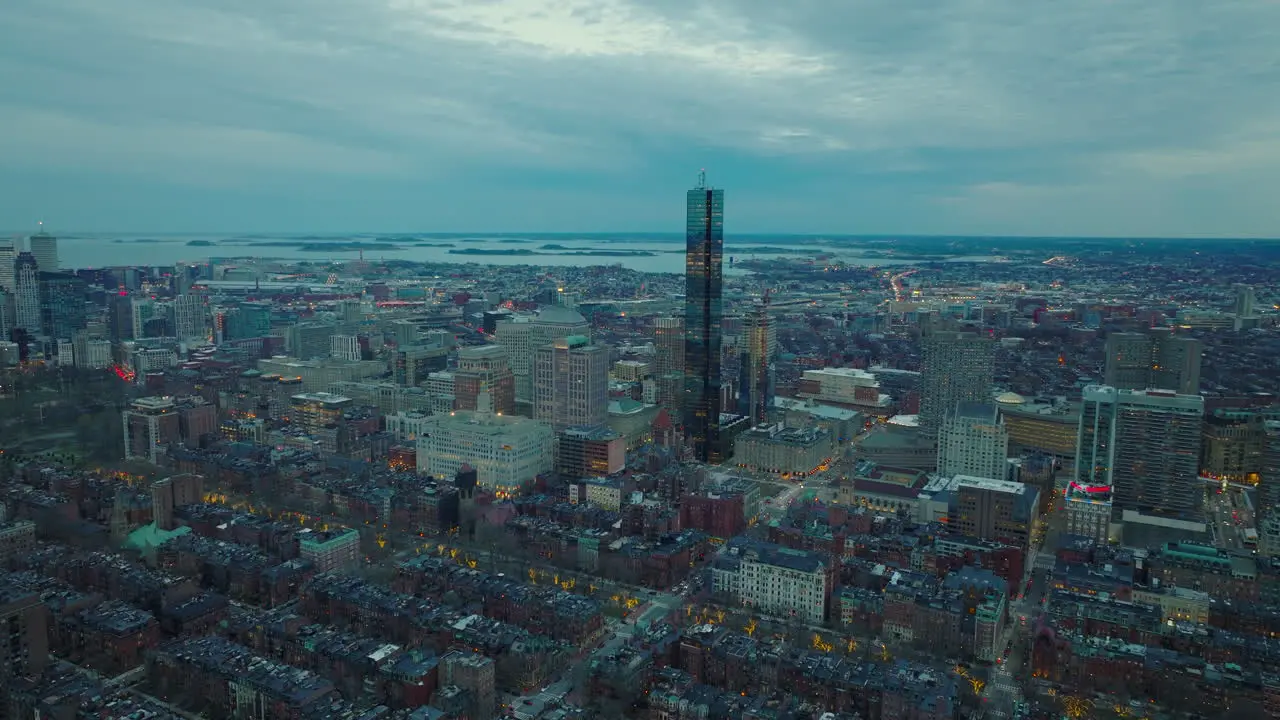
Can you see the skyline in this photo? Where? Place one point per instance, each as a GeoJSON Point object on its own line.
{"type": "Point", "coordinates": [978, 118]}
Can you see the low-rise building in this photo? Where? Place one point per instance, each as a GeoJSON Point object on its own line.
{"type": "Point", "coordinates": [330, 550]}
{"type": "Point", "coordinates": [789, 452]}
{"type": "Point", "coordinates": [774, 580]}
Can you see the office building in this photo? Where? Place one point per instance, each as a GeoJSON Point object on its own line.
{"type": "Point", "coordinates": [345, 347]}
{"type": "Point", "coordinates": [774, 580]}
{"type": "Point", "coordinates": [590, 452]}
{"type": "Point", "coordinates": [25, 619]}
{"type": "Point", "coordinates": [1268, 497]}
{"type": "Point", "coordinates": [668, 344]}
{"type": "Point", "coordinates": [784, 451]}
{"type": "Point", "coordinates": [1154, 360]}
{"type": "Point", "coordinates": [973, 441]}
{"type": "Point", "coordinates": [142, 310]}
{"type": "Point", "coordinates": [1245, 300]}
{"type": "Point", "coordinates": [8, 255]}
{"type": "Point", "coordinates": [845, 387]}
{"type": "Point", "coordinates": [151, 424]}
{"type": "Point", "coordinates": [998, 510]}
{"type": "Point", "coordinates": [317, 411]}
{"type": "Point", "coordinates": [507, 451]}
{"type": "Point", "coordinates": [1145, 446]}
{"type": "Point", "coordinates": [247, 320]}
{"type": "Point", "coordinates": [704, 314]}
{"type": "Point", "coordinates": [190, 318]}
{"type": "Point", "coordinates": [171, 493]}
{"type": "Point", "coordinates": [17, 539]}
{"type": "Point", "coordinates": [311, 340]}
{"type": "Point", "coordinates": [7, 314]}
{"type": "Point", "coordinates": [571, 383]}
{"type": "Point", "coordinates": [330, 550]}
{"type": "Point", "coordinates": [955, 367]}
{"type": "Point", "coordinates": [44, 247]}
{"type": "Point", "coordinates": [521, 335]}
{"type": "Point", "coordinates": [410, 365]}
{"type": "Point", "coordinates": [757, 347]}
{"type": "Point", "coordinates": [62, 304]}
{"type": "Point", "coordinates": [96, 355]}
{"type": "Point", "coordinates": [484, 380]}
{"type": "Point", "coordinates": [119, 316]}
{"type": "Point", "coordinates": [1232, 445]}
{"type": "Point", "coordinates": [26, 294]}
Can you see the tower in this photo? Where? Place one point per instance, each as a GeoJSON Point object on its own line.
{"type": "Point", "coordinates": [8, 254]}
{"type": "Point", "coordinates": [704, 255]}
{"type": "Point", "coordinates": [45, 249]}
{"type": "Point", "coordinates": [758, 344]}
{"type": "Point", "coordinates": [1269, 493]}
{"type": "Point", "coordinates": [1245, 298]}
{"type": "Point", "coordinates": [1145, 446]}
{"type": "Point", "coordinates": [62, 301]}
{"type": "Point", "coordinates": [955, 367]}
{"type": "Point", "coordinates": [1153, 360]}
{"type": "Point", "coordinates": [973, 441]}
{"type": "Point", "coordinates": [571, 383]}
{"type": "Point", "coordinates": [26, 292]}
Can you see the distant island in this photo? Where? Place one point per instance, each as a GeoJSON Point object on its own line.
{"type": "Point", "coordinates": [201, 243]}
{"type": "Point", "coordinates": [434, 245]}
{"type": "Point", "coordinates": [491, 251]}
{"type": "Point", "coordinates": [608, 253]}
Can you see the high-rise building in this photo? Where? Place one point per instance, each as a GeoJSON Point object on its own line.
{"type": "Point", "coordinates": [7, 317]}
{"type": "Point", "coordinates": [758, 344]}
{"type": "Point", "coordinates": [119, 315]}
{"type": "Point", "coordinates": [1245, 299]}
{"type": "Point", "coordinates": [1154, 360]}
{"type": "Point", "coordinates": [8, 254]}
{"type": "Point", "coordinates": [521, 335]}
{"type": "Point", "coordinates": [1233, 444]}
{"type": "Point", "coordinates": [571, 383]}
{"type": "Point", "coordinates": [250, 320]}
{"type": "Point", "coordinates": [973, 441]}
{"type": "Point", "coordinates": [62, 301]}
{"type": "Point", "coordinates": [484, 380]}
{"type": "Point", "coordinates": [668, 344]}
{"type": "Point", "coordinates": [26, 294]}
{"type": "Point", "coordinates": [25, 650]}
{"type": "Point", "coordinates": [507, 451]}
{"type": "Point", "coordinates": [1268, 498]}
{"type": "Point", "coordinates": [411, 365]}
{"type": "Point", "coordinates": [989, 509]}
{"type": "Point", "coordinates": [190, 317]}
{"type": "Point", "coordinates": [955, 367]}
{"type": "Point", "coordinates": [345, 347]}
{"type": "Point", "coordinates": [174, 492]}
{"type": "Point", "coordinates": [1145, 446]}
{"type": "Point", "coordinates": [45, 249]}
{"type": "Point", "coordinates": [703, 314]}
{"type": "Point", "coordinates": [314, 412]}
{"type": "Point", "coordinates": [151, 424]}
{"type": "Point", "coordinates": [142, 310]}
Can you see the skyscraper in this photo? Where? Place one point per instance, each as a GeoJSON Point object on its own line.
{"type": "Point", "coordinates": [8, 254]}
{"type": "Point", "coordinates": [668, 343]}
{"type": "Point", "coordinates": [1268, 501]}
{"type": "Point", "coordinates": [190, 317]}
{"type": "Point", "coordinates": [758, 343]}
{"type": "Point", "coordinates": [521, 335]}
{"type": "Point", "coordinates": [45, 249]}
{"type": "Point", "coordinates": [484, 380]}
{"type": "Point", "coordinates": [26, 293]}
{"type": "Point", "coordinates": [973, 441]}
{"type": "Point", "coordinates": [1154, 360]}
{"type": "Point", "coordinates": [1245, 299]}
{"type": "Point", "coordinates": [955, 367]}
{"type": "Point", "coordinates": [571, 383]}
{"type": "Point", "coordinates": [62, 299]}
{"type": "Point", "coordinates": [703, 313]}
{"type": "Point", "coordinates": [1145, 446]}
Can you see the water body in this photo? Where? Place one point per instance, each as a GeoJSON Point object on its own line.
{"type": "Point", "coordinates": [647, 253]}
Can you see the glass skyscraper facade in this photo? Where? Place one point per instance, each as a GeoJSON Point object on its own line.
{"type": "Point", "coordinates": [704, 254]}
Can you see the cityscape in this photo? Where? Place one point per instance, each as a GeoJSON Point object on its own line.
{"type": "Point", "coordinates": [817, 478]}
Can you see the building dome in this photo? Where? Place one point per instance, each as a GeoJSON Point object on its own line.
{"type": "Point", "coordinates": [560, 315]}
{"type": "Point", "coordinates": [1010, 398]}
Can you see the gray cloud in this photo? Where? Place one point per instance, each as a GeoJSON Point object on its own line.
{"type": "Point", "coordinates": [998, 101]}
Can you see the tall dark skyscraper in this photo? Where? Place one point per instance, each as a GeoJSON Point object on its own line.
{"type": "Point", "coordinates": [62, 298]}
{"type": "Point", "coordinates": [703, 313]}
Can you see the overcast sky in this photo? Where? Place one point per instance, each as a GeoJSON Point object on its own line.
{"type": "Point", "coordinates": [1093, 117]}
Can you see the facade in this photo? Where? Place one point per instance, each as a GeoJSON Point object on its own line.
{"type": "Point", "coordinates": [1088, 513]}
{"type": "Point", "coordinates": [62, 300]}
{"type": "Point", "coordinates": [330, 550]}
{"type": "Point", "coordinates": [844, 387]}
{"type": "Point", "coordinates": [1232, 445]}
{"type": "Point", "coordinates": [345, 347]}
{"type": "Point", "coordinates": [44, 247]}
{"type": "Point", "coordinates": [571, 383]}
{"type": "Point", "coordinates": [774, 580]}
{"type": "Point", "coordinates": [973, 441]}
{"type": "Point", "coordinates": [150, 425]}
{"type": "Point", "coordinates": [997, 510]}
{"type": "Point", "coordinates": [26, 294]}
{"type": "Point", "coordinates": [955, 367]}
{"type": "Point", "coordinates": [521, 335]}
{"type": "Point", "coordinates": [484, 380]}
{"type": "Point", "coordinates": [1145, 446]}
{"type": "Point", "coordinates": [506, 451]}
{"type": "Point", "coordinates": [96, 355]}
{"type": "Point", "coordinates": [704, 314]}
{"type": "Point", "coordinates": [189, 317]}
{"type": "Point", "coordinates": [1154, 360]}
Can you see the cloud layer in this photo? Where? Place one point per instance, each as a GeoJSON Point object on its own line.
{"type": "Point", "coordinates": [935, 116]}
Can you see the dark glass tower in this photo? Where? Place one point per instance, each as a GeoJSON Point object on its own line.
{"type": "Point", "coordinates": [703, 312]}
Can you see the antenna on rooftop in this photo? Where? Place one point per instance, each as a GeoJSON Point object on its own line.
{"type": "Point", "coordinates": [702, 178]}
